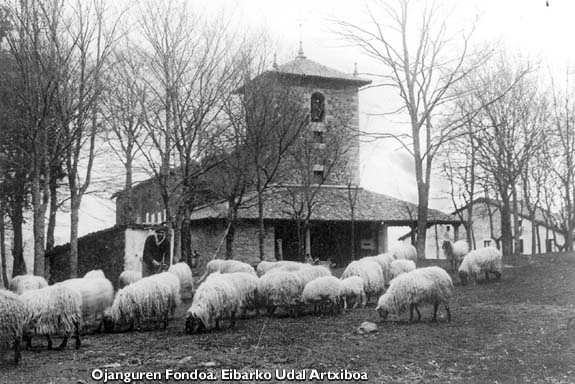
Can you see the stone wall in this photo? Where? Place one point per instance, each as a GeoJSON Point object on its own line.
{"type": "Point", "coordinates": [99, 250]}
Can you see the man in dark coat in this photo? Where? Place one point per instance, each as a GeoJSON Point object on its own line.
{"type": "Point", "coordinates": [156, 253]}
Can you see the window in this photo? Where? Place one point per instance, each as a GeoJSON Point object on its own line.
{"type": "Point", "coordinates": [548, 245]}
{"type": "Point", "coordinates": [318, 137]}
{"type": "Point", "coordinates": [447, 228]}
{"type": "Point", "coordinates": [317, 108]}
{"type": "Point", "coordinates": [486, 243]}
{"type": "Point", "coordinates": [317, 177]}
{"type": "Point", "coordinates": [520, 246]}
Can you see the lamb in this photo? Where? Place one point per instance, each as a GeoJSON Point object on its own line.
{"type": "Point", "coordinates": [481, 260]}
{"type": "Point", "coordinates": [22, 283]}
{"type": "Point", "coordinates": [325, 290]}
{"type": "Point", "coordinates": [184, 274]}
{"type": "Point", "coordinates": [280, 289]}
{"type": "Point", "coordinates": [13, 314]}
{"type": "Point", "coordinates": [226, 266]}
{"type": "Point", "coordinates": [430, 285]}
{"type": "Point", "coordinates": [454, 252]}
{"type": "Point", "coordinates": [404, 251]}
{"type": "Point", "coordinates": [371, 274]}
{"type": "Point", "coordinates": [353, 287]}
{"type": "Point", "coordinates": [401, 266]}
{"type": "Point", "coordinates": [216, 299]}
{"type": "Point", "coordinates": [95, 274]}
{"type": "Point", "coordinates": [53, 310]}
{"type": "Point", "coordinates": [129, 277]}
{"type": "Point", "coordinates": [97, 295]}
{"type": "Point", "coordinates": [145, 301]}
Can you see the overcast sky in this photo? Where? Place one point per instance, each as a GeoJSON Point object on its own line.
{"type": "Point", "coordinates": [527, 28]}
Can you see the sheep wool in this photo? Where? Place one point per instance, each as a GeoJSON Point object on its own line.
{"type": "Point", "coordinates": [129, 277]}
{"type": "Point", "coordinates": [246, 285]}
{"type": "Point", "coordinates": [13, 314]}
{"type": "Point", "coordinates": [23, 283]}
{"type": "Point", "coordinates": [311, 272]}
{"type": "Point", "coordinates": [430, 285]}
{"type": "Point", "coordinates": [454, 252]}
{"type": "Point", "coordinates": [52, 311]}
{"type": "Point", "coordinates": [226, 266]}
{"type": "Point", "coordinates": [95, 274]}
{"type": "Point", "coordinates": [371, 274]}
{"type": "Point", "coordinates": [401, 266]}
{"type": "Point", "coordinates": [384, 260]}
{"type": "Point", "coordinates": [279, 289]}
{"type": "Point", "coordinates": [173, 283]}
{"type": "Point", "coordinates": [184, 274]}
{"type": "Point", "coordinates": [352, 287]}
{"type": "Point", "coordinates": [217, 298]}
{"type": "Point", "coordinates": [97, 295]}
{"type": "Point", "coordinates": [404, 251]}
{"type": "Point", "coordinates": [283, 265]}
{"type": "Point", "coordinates": [324, 290]}
{"type": "Point", "coordinates": [145, 301]}
{"type": "Point", "coordinates": [487, 260]}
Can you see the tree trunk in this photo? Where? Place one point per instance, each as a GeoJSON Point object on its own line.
{"type": "Point", "coordinates": [74, 221]}
{"type": "Point", "coordinates": [506, 232]}
{"type": "Point", "coordinates": [39, 216]}
{"type": "Point", "coordinates": [50, 242]}
{"type": "Point", "coordinates": [261, 233]}
{"type": "Point", "coordinates": [517, 230]}
{"type": "Point", "coordinates": [4, 277]}
{"type": "Point", "coordinates": [423, 201]}
{"type": "Point", "coordinates": [19, 266]}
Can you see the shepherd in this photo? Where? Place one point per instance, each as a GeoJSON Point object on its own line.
{"type": "Point", "coordinates": [156, 257]}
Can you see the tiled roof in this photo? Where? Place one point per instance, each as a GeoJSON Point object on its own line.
{"type": "Point", "coordinates": [332, 204]}
{"type": "Point", "coordinates": [302, 66]}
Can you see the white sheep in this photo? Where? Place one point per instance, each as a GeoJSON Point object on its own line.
{"type": "Point", "coordinates": [401, 266]}
{"type": "Point", "coordinates": [53, 311]}
{"type": "Point", "coordinates": [13, 314]}
{"type": "Point", "coordinates": [280, 289]}
{"type": "Point", "coordinates": [145, 301]}
{"type": "Point", "coordinates": [246, 286]}
{"type": "Point", "coordinates": [430, 285]}
{"type": "Point", "coordinates": [310, 272]}
{"type": "Point", "coordinates": [455, 252]}
{"type": "Point", "coordinates": [286, 265]}
{"type": "Point", "coordinates": [384, 260]}
{"type": "Point", "coordinates": [129, 277]}
{"type": "Point", "coordinates": [370, 272]}
{"type": "Point", "coordinates": [22, 283]}
{"type": "Point", "coordinates": [184, 274]}
{"type": "Point", "coordinates": [97, 295]}
{"type": "Point", "coordinates": [216, 299]}
{"type": "Point", "coordinates": [321, 292]}
{"type": "Point", "coordinates": [226, 266]}
{"type": "Point", "coordinates": [487, 260]}
{"type": "Point", "coordinates": [95, 274]}
{"type": "Point", "coordinates": [173, 283]}
{"type": "Point", "coordinates": [352, 287]}
{"type": "Point", "coordinates": [404, 251]}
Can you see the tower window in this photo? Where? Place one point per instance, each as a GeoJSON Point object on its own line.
{"type": "Point", "coordinates": [317, 177]}
{"type": "Point", "coordinates": [317, 109]}
{"type": "Point", "coordinates": [318, 137]}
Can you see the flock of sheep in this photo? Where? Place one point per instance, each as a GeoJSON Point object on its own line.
{"type": "Point", "coordinates": [228, 288]}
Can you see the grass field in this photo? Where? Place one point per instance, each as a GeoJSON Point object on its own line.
{"type": "Point", "coordinates": [517, 330]}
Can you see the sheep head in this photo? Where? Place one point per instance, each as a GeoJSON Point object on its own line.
{"type": "Point", "coordinates": [194, 325]}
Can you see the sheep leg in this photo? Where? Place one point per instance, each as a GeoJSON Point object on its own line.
{"type": "Point", "coordinates": [17, 355]}
{"type": "Point", "coordinates": [446, 305]}
{"type": "Point", "coordinates": [411, 306]}
{"type": "Point", "coordinates": [233, 320]}
{"type": "Point", "coordinates": [497, 275]}
{"type": "Point", "coordinates": [435, 308]}
{"type": "Point", "coordinates": [64, 343]}
{"type": "Point", "coordinates": [77, 334]}
{"type": "Point", "coordinates": [487, 275]}
{"type": "Point", "coordinates": [49, 341]}
{"type": "Point", "coordinates": [28, 340]}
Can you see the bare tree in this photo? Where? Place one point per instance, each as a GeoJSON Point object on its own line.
{"type": "Point", "coordinates": [422, 62]}
{"type": "Point", "coordinates": [508, 133]}
{"type": "Point", "coordinates": [561, 155]}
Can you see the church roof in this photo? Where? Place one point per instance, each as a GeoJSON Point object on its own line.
{"type": "Point", "coordinates": [302, 66]}
{"type": "Point", "coordinates": [331, 204]}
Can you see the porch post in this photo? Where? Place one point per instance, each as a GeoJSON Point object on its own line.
{"type": "Point", "coordinates": [382, 242]}
{"type": "Point", "coordinates": [308, 242]}
{"type": "Point", "coordinates": [455, 232]}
